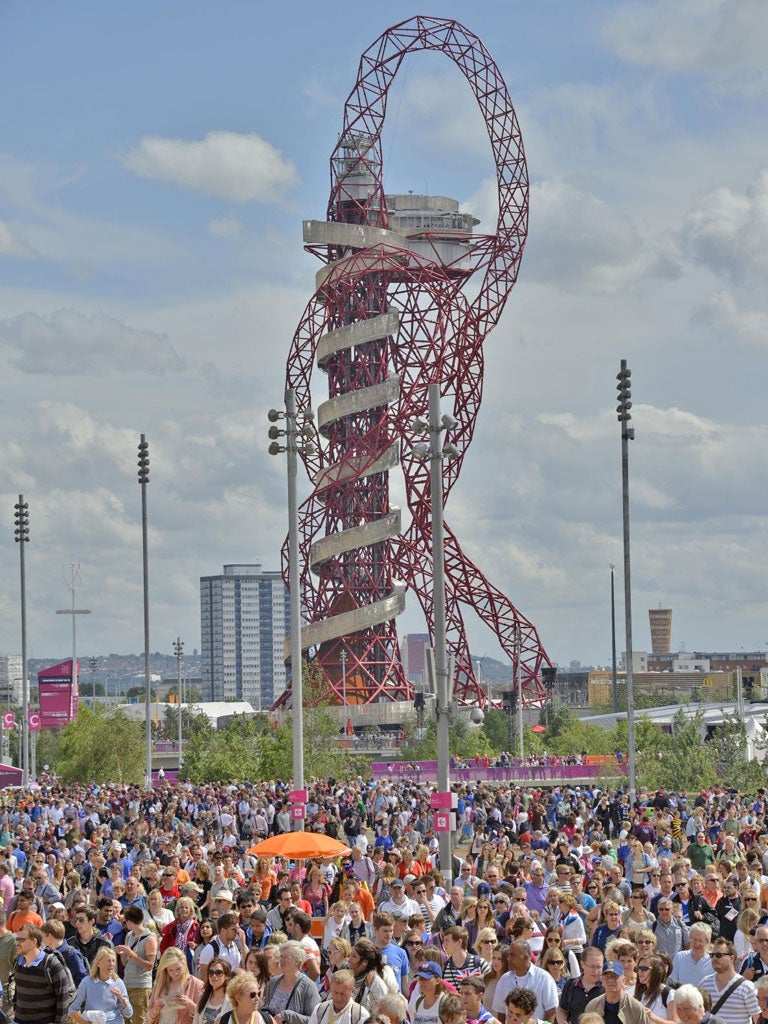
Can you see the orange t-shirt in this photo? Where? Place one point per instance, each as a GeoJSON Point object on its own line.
{"type": "Point", "coordinates": [17, 920]}
{"type": "Point", "coordinates": [366, 902]}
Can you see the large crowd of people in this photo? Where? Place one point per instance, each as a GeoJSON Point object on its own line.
{"type": "Point", "coordinates": [566, 904]}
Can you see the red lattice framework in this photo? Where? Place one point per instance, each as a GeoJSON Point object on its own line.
{"type": "Point", "coordinates": [390, 316]}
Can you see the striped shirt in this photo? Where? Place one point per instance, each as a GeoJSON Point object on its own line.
{"type": "Point", "coordinates": [740, 1006]}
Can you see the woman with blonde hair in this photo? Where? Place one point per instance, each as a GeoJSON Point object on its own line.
{"type": "Point", "coordinates": [183, 932]}
{"type": "Point", "coordinates": [337, 951]}
{"type": "Point", "coordinates": [102, 990]}
{"type": "Point", "coordinates": [175, 993]}
{"type": "Point", "coordinates": [746, 922]}
{"type": "Point", "coordinates": [485, 943]}
{"type": "Point", "coordinates": [244, 993]}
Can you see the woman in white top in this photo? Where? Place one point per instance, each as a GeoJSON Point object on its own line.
{"type": "Point", "coordinates": [214, 1000]}
{"type": "Point", "coordinates": [157, 916]}
{"type": "Point", "coordinates": [650, 990]}
{"type": "Point", "coordinates": [424, 1004]}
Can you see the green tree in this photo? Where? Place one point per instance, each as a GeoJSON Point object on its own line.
{"type": "Point", "coordinates": [138, 692]}
{"type": "Point", "coordinates": [223, 755]}
{"type": "Point", "coordinates": [731, 759]}
{"type": "Point", "coordinates": [496, 729]}
{"type": "Point", "coordinates": [323, 754]}
{"type": "Point", "coordinates": [101, 741]}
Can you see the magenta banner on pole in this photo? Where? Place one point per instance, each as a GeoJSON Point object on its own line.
{"type": "Point", "coordinates": [58, 700]}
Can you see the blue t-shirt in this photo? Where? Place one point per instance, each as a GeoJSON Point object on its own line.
{"type": "Point", "coordinates": [397, 959]}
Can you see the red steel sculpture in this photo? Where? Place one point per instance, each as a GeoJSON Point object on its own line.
{"type": "Point", "coordinates": [389, 316]}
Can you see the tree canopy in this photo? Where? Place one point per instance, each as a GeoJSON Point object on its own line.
{"type": "Point", "coordinates": [101, 742]}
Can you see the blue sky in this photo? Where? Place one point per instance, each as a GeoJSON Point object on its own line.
{"type": "Point", "coordinates": [156, 162]}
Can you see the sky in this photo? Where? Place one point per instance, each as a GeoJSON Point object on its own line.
{"type": "Point", "coordinates": [156, 163]}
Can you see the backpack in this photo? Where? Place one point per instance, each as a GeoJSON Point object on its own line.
{"type": "Point", "coordinates": [74, 961]}
{"type": "Point", "coordinates": [228, 1017]}
{"type": "Point", "coordinates": [355, 1013]}
{"type": "Point", "coordinates": [70, 990]}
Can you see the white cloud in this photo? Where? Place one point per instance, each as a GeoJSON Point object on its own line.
{"type": "Point", "coordinates": [578, 239]}
{"type": "Point", "coordinates": [728, 230]}
{"type": "Point", "coordinates": [225, 227]}
{"type": "Point", "coordinates": [228, 165]}
{"type": "Point", "coordinates": [721, 39]}
{"type": "Point", "coordinates": [11, 244]}
{"type": "Point", "coordinates": [727, 321]}
{"type": "Point", "coordinates": [68, 342]}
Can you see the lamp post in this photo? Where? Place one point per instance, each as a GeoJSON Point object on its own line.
{"type": "Point", "coordinates": [296, 440]}
{"type": "Point", "coordinates": [613, 646]}
{"type": "Point", "coordinates": [93, 664]}
{"type": "Point", "coordinates": [435, 451]}
{"type": "Point", "coordinates": [624, 416]}
{"type": "Point", "coordinates": [143, 481]}
{"type": "Point", "coordinates": [21, 535]}
{"type": "Point", "coordinates": [178, 650]}
{"type": "Point", "coordinates": [519, 690]}
{"type": "Point", "coordinates": [74, 576]}
{"type": "Point", "coordinates": [344, 678]}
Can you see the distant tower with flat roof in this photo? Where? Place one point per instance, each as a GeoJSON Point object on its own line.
{"type": "Point", "coordinates": [661, 630]}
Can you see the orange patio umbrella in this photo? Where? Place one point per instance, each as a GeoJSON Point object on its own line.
{"type": "Point", "coordinates": [300, 846]}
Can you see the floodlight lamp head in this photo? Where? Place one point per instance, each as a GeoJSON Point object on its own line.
{"type": "Point", "coordinates": [275, 448]}
{"type": "Point", "coordinates": [308, 448]}
{"type": "Point", "coordinates": [449, 422]}
{"type": "Point", "coordinates": [450, 451]}
{"type": "Point", "coordinates": [307, 431]}
{"type": "Point", "coordinates": [308, 414]}
{"type": "Point", "coordinates": [274, 415]}
{"type": "Point", "coordinates": [274, 433]}
{"type": "Point", "coordinates": [422, 451]}
{"type": "Point", "coordinates": [419, 426]}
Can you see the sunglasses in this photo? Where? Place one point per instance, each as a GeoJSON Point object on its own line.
{"type": "Point", "coordinates": [489, 942]}
{"type": "Point", "coordinates": [253, 995]}
{"type": "Point", "coordinates": [414, 942]}
{"type": "Point", "coordinates": [557, 963]}
{"type": "Point", "coordinates": [642, 968]}
{"type": "Point", "coordinates": [215, 973]}
{"type": "Point", "coordinates": [714, 956]}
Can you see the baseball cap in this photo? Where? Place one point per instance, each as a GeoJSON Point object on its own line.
{"type": "Point", "coordinates": [429, 969]}
{"type": "Point", "coordinates": [396, 883]}
{"type": "Point", "coordinates": [613, 967]}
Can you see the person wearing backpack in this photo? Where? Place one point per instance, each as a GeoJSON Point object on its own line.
{"type": "Point", "coordinates": [139, 956]}
{"type": "Point", "coordinates": [44, 986]}
{"type": "Point", "coordinates": [341, 1008]}
{"type": "Point", "coordinates": [54, 942]}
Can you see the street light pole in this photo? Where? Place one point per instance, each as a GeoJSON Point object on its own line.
{"type": "Point", "coordinates": [74, 569]}
{"type": "Point", "coordinates": [435, 452]}
{"type": "Point", "coordinates": [178, 650]}
{"type": "Point", "coordinates": [519, 688]}
{"type": "Point", "coordinates": [295, 441]}
{"type": "Point", "coordinates": [344, 677]}
{"type": "Point", "coordinates": [93, 664]}
{"type": "Point", "coordinates": [143, 481]}
{"type": "Point", "coordinates": [627, 434]}
{"type": "Point", "coordinates": [613, 646]}
{"type": "Point", "coordinates": [21, 535]}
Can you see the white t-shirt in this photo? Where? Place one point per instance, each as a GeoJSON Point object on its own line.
{"type": "Point", "coordinates": [216, 947]}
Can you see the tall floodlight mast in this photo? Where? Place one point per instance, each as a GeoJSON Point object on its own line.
{"type": "Point", "coordinates": [391, 316]}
